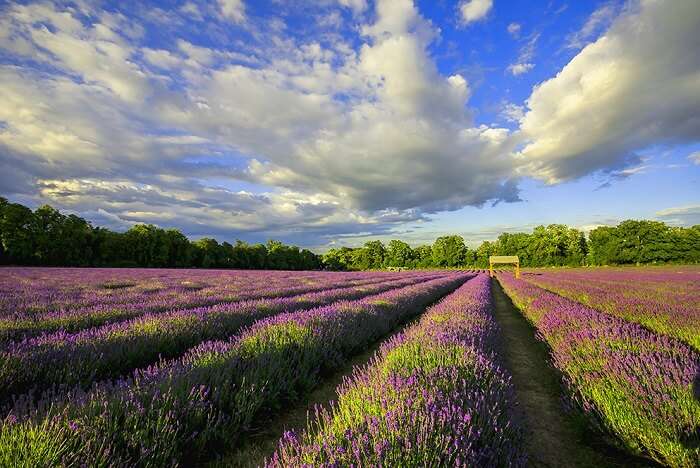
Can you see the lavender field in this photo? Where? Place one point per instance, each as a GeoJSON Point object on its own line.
{"type": "Point", "coordinates": [156, 367]}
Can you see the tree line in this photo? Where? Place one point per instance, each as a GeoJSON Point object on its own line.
{"type": "Point", "coordinates": [630, 242]}
{"type": "Point", "coordinates": [47, 237]}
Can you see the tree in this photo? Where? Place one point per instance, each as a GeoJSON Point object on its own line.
{"type": "Point", "coordinates": [147, 246]}
{"type": "Point", "coordinates": [47, 227]}
{"type": "Point", "coordinates": [178, 247]}
{"type": "Point", "coordinates": [423, 256]}
{"type": "Point", "coordinates": [288, 257]}
{"type": "Point", "coordinates": [76, 242]}
{"type": "Point", "coordinates": [257, 255]}
{"type": "Point", "coordinates": [449, 251]}
{"type": "Point", "coordinates": [398, 254]}
{"type": "Point", "coordinates": [603, 244]}
{"type": "Point", "coordinates": [483, 252]}
{"type": "Point", "coordinates": [369, 257]}
{"type": "Point", "coordinates": [16, 233]}
{"type": "Point", "coordinates": [208, 253]}
{"type": "Point", "coordinates": [338, 259]}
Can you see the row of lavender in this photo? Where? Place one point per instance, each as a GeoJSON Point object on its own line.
{"type": "Point", "coordinates": [93, 306]}
{"type": "Point", "coordinates": [432, 396]}
{"type": "Point", "coordinates": [162, 413]}
{"type": "Point", "coordinates": [665, 300]}
{"type": "Point", "coordinates": [67, 359]}
{"type": "Point", "coordinates": [633, 382]}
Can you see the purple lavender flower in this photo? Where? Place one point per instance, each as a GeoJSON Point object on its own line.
{"type": "Point", "coordinates": [432, 396]}
{"type": "Point", "coordinates": [636, 383]}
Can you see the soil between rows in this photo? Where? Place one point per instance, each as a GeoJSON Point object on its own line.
{"type": "Point", "coordinates": [554, 436]}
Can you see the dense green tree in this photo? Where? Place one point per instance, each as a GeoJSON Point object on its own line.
{"type": "Point", "coordinates": [368, 257]}
{"type": "Point", "coordinates": [338, 259]}
{"type": "Point", "coordinates": [281, 256]}
{"type": "Point", "coordinates": [208, 253]}
{"type": "Point", "coordinates": [76, 242]}
{"type": "Point", "coordinates": [179, 247]}
{"type": "Point", "coordinates": [423, 256]}
{"type": "Point", "coordinates": [16, 233]}
{"type": "Point", "coordinates": [603, 245]}
{"type": "Point", "coordinates": [634, 241]}
{"type": "Point", "coordinates": [147, 245]}
{"type": "Point", "coordinates": [449, 251]}
{"type": "Point", "coordinates": [308, 260]}
{"type": "Point", "coordinates": [399, 255]}
{"type": "Point", "coordinates": [47, 227]}
{"type": "Point", "coordinates": [483, 252]}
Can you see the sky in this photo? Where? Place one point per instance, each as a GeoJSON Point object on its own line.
{"type": "Point", "coordinates": [331, 122]}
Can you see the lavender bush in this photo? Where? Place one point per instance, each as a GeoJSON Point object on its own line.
{"type": "Point", "coordinates": [174, 409]}
{"type": "Point", "coordinates": [665, 300]}
{"type": "Point", "coordinates": [109, 351]}
{"type": "Point", "coordinates": [432, 396]}
{"type": "Point", "coordinates": [632, 382]}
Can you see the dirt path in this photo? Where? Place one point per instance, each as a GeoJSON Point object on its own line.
{"type": "Point", "coordinates": [554, 437]}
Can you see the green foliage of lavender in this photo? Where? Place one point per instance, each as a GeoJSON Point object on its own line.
{"type": "Point", "coordinates": [168, 412]}
{"type": "Point", "coordinates": [432, 396]}
{"type": "Point", "coordinates": [634, 383]}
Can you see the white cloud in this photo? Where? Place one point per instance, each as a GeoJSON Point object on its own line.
{"type": "Point", "coordinates": [514, 29]}
{"type": "Point", "coordinates": [161, 58]}
{"type": "Point", "coordinates": [520, 68]}
{"type": "Point", "coordinates": [513, 112]}
{"type": "Point", "coordinates": [388, 150]}
{"type": "Point", "coordinates": [688, 215]}
{"type": "Point", "coordinates": [96, 53]}
{"type": "Point", "coordinates": [233, 10]}
{"type": "Point", "coordinates": [357, 6]}
{"type": "Point", "coordinates": [197, 55]}
{"type": "Point", "coordinates": [474, 10]}
{"type": "Point", "coordinates": [695, 157]}
{"type": "Point", "coordinates": [635, 86]}
{"type": "Point", "coordinates": [192, 11]}
{"type": "Point", "coordinates": [330, 20]}
{"type": "Point", "coordinates": [525, 56]}
{"type": "Point", "coordinates": [599, 20]}
{"type": "Point", "coordinates": [336, 137]}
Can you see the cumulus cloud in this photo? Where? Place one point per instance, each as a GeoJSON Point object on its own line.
{"type": "Point", "coordinates": [695, 157]}
{"type": "Point", "coordinates": [396, 144]}
{"type": "Point", "coordinates": [338, 136]}
{"type": "Point", "coordinates": [635, 86]}
{"type": "Point", "coordinates": [96, 52]}
{"type": "Point", "coordinates": [474, 10]}
{"type": "Point", "coordinates": [322, 134]}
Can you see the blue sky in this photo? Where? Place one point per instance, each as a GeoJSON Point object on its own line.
{"type": "Point", "coordinates": [333, 122]}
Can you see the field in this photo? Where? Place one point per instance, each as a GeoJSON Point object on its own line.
{"type": "Point", "coordinates": [149, 367]}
